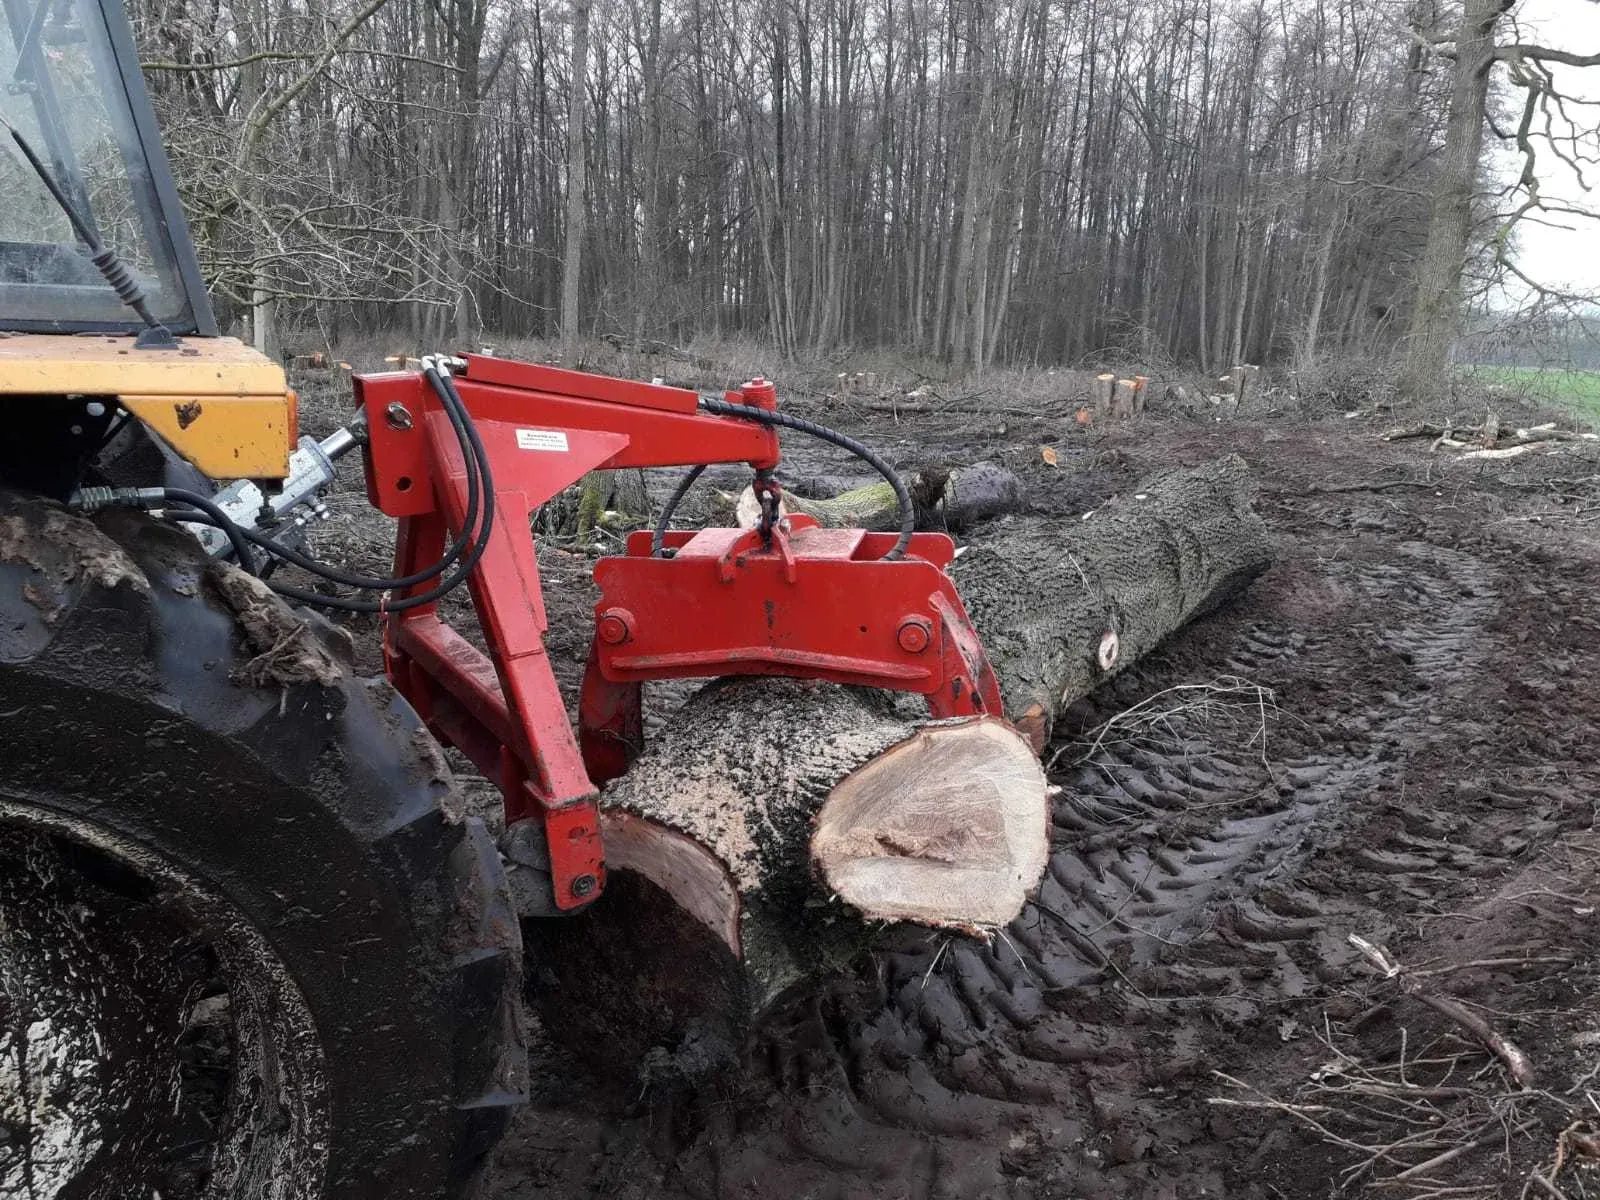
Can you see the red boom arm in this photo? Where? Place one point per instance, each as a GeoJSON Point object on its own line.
{"type": "Point", "coordinates": [813, 602]}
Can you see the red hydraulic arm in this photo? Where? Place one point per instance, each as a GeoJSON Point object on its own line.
{"type": "Point", "coordinates": [793, 599]}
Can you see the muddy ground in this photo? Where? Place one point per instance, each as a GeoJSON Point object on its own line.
{"type": "Point", "coordinates": [1392, 735]}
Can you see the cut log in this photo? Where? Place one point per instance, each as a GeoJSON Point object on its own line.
{"type": "Point", "coordinates": [943, 828]}
{"type": "Point", "coordinates": [1134, 570]}
{"type": "Point", "coordinates": [1126, 397]}
{"type": "Point", "coordinates": [952, 498]}
{"type": "Point", "coordinates": [774, 824]}
{"type": "Point", "coordinates": [1491, 430]}
{"type": "Point", "coordinates": [1241, 383]}
{"type": "Point", "coordinates": [746, 843]}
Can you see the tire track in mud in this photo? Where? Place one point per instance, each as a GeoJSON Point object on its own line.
{"type": "Point", "coordinates": [1177, 890]}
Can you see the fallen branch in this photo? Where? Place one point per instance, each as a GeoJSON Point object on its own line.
{"type": "Point", "coordinates": [1516, 1063]}
{"type": "Point", "coordinates": [1420, 429]}
{"type": "Point", "coordinates": [1502, 452]}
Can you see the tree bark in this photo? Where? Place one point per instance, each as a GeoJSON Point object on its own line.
{"type": "Point", "coordinates": [1136, 570]}
{"type": "Point", "coordinates": [953, 498]}
{"type": "Point", "coordinates": [577, 164]}
{"type": "Point", "coordinates": [771, 823]}
{"type": "Point", "coordinates": [1435, 320]}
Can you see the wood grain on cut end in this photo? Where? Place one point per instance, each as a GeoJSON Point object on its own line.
{"type": "Point", "coordinates": [680, 866]}
{"type": "Point", "coordinates": [949, 828]}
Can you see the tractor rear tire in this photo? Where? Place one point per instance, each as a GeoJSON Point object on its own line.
{"type": "Point", "coordinates": [249, 945]}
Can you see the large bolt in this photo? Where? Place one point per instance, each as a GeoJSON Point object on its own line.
{"type": "Point", "coordinates": [583, 885]}
{"type": "Point", "coordinates": [398, 416]}
{"type": "Point", "coordinates": [914, 634]}
{"type": "Point", "coordinates": [615, 626]}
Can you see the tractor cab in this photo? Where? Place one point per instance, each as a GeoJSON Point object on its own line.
{"type": "Point", "coordinates": [74, 101]}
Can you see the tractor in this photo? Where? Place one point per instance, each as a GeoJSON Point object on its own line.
{"type": "Point", "coordinates": [250, 943]}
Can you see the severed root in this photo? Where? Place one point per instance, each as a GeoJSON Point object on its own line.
{"type": "Point", "coordinates": [1511, 1056]}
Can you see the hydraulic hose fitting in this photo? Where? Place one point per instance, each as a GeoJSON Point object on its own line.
{"type": "Point", "coordinates": [93, 499]}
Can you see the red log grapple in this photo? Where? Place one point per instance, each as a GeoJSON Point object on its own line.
{"type": "Point", "coordinates": [788, 599]}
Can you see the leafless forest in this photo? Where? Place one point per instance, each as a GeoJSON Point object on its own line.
{"type": "Point", "coordinates": [1202, 181]}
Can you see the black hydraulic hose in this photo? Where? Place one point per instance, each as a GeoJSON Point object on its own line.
{"type": "Point", "coordinates": [765, 416]}
{"type": "Point", "coordinates": [480, 495]}
{"type": "Point", "coordinates": [220, 519]}
{"type": "Point", "coordinates": [678, 493]}
{"type": "Point", "coordinates": [449, 397]}
{"type": "Point", "coordinates": [459, 420]}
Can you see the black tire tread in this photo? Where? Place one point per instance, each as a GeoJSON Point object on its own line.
{"type": "Point", "coordinates": [395, 920]}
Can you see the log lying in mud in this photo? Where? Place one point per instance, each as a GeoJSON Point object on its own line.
{"type": "Point", "coordinates": [943, 497]}
{"type": "Point", "coordinates": [772, 824]}
{"type": "Point", "coordinates": [1060, 612]}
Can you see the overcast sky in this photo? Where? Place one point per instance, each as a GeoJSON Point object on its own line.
{"type": "Point", "coordinates": [1563, 257]}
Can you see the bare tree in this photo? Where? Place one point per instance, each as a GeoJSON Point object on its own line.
{"type": "Point", "coordinates": [577, 163]}
{"type": "Point", "coordinates": [985, 180]}
{"type": "Point", "coordinates": [1472, 53]}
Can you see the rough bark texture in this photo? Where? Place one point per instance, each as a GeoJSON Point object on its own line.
{"type": "Point", "coordinates": [1137, 568]}
{"type": "Point", "coordinates": [788, 742]}
{"type": "Point", "coordinates": [1436, 318]}
{"type": "Point", "coordinates": [758, 788]}
{"type": "Point", "coordinates": [709, 913]}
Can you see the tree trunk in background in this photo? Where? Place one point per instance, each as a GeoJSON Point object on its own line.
{"type": "Point", "coordinates": [251, 22]}
{"type": "Point", "coordinates": [1054, 181]}
{"type": "Point", "coordinates": [458, 191]}
{"type": "Point", "coordinates": [577, 164]}
{"type": "Point", "coordinates": [974, 195]}
{"type": "Point", "coordinates": [1436, 317]}
{"type": "Point", "coordinates": [652, 238]}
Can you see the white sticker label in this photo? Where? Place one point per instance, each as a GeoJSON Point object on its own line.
{"type": "Point", "coordinates": [542, 439]}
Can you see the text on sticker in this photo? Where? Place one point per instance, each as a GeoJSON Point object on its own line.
{"type": "Point", "coordinates": [542, 439]}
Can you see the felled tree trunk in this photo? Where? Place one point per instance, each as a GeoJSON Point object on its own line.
{"type": "Point", "coordinates": [953, 498]}
{"type": "Point", "coordinates": [745, 860]}
{"type": "Point", "coordinates": [1058, 614]}
{"type": "Point", "coordinates": [771, 824]}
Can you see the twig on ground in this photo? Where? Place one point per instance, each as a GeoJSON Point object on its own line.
{"type": "Point", "coordinates": [1517, 1064]}
{"type": "Point", "coordinates": [1156, 713]}
{"type": "Point", "coordinates": [1450, 1155]}
{"type": "Point", "coordinates": [1537, 1180]}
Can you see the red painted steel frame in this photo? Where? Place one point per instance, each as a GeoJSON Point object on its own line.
{"type": "Point", "coordinates": [820, 602]}
{"type": "Point", "coordinates": [814, 602]}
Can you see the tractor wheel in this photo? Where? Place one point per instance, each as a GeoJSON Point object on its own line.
{"type": "Point", "coordinates": [248, 948]}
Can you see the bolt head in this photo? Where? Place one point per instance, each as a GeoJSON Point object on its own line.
{"type": "Point", "coordinates": [398, 416]}
{"type": "Point", "coordinates": [914, 634]}
{"type": "Point", "coordinates": [583, 885]}
{"type": "Point", "coordinates": [615, 626]}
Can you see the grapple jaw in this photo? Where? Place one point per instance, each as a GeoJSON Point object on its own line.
{"type": "Point", "coordinates": [804, 601]}
{"type": "Point", "coordinates": [787, 599]}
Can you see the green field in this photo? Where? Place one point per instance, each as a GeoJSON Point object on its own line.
{"type": "Point", "coordinates": [1577, 390]}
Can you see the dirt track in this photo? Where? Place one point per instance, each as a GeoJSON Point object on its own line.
{"type": "Point", "coordinates": [1180, 1014]}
